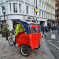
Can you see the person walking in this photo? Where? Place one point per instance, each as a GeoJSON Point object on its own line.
{"type": "Point", "coordinates": [58, 28]}
{"type": "Point", "coordinates": [42, 29]}
{"type": "Point", "coordinates": [39, 28]}
{"type": "Point", "coordinates": [49, 28]}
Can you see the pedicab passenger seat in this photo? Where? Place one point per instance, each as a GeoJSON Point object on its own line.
{"type": "Point", "coordinates": [18, 36]}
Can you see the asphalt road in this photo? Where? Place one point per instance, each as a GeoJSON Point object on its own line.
{"type": "Point", "coordinates": [52, 40]}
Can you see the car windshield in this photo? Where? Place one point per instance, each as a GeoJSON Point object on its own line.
{"type": "Point", "coordinates": [34, 30]}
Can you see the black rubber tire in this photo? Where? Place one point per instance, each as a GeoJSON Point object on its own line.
{"type": "Point", "coordinates": [37, 47]}
{"type": "Point", "coordinates": [10, 41]}
{"type": "Point", "coordinates": [24, 50]}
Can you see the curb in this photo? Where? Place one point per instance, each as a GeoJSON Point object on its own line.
{"type": "Point", "coordinates": [47, 51]}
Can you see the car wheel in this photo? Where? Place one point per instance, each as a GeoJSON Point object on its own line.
{"type": "Point", "coordinates": [10, 41]}
{"type": "Point", "coordinates": [37, 47]}
{"type": "Point", "coordinates": [24, 49]}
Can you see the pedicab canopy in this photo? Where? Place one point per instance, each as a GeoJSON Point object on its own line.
{"type": "Point", "coordinates": [27, 25]}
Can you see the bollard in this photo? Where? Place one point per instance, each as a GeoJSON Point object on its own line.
{"type": "Point", "coordinates": [6, 35]}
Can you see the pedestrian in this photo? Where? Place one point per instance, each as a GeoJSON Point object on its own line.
{"type": "Point", "coordinates": [58, 28]}
{"type": "Point", "coordinates": [45, 28]}
{"type": "Point", "coordinates": [49, 28]}
{"type": "Point", "coordinates": [39, 28]}
{"type": "Point", "coordinates": [54, 27]}
{"type": "Point", "coordinates": [1, 26]}
{"type": "Point", "coordinates": [42, 29]}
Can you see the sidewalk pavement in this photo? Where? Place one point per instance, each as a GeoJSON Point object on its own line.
{"type": "Point", "coordinates": [12, 52]}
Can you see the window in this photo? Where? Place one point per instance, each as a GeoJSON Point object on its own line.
{"type": "Point", "coordinates": [56, 8]}
{"type": "Point", "coordinates": [15, 7]}
{"type": "Point", "coordinates": [40, 13]}
{"type": "Point", "coordinates": [56, 18]}
{"type": "Point", "coordinates": [42, 5]}
{"type": "Point", "coordinates": [44, 14]}
{"type": "Point", "coordinates": [34, 11]}
{"type": "Point", "coordinates": [2, 9]}
{"type": "Point", "coordinates": [26, 9]}
{"type": "Point", "coordinates": [56, 13]}
{"type": "Point", "coordinates": [34, 1]}
{"type": "Point", "coordinates": [34, 30]}
{"type": "Point", "coordinates": [19, 8]}
{"type": "Point", "coordinates": [10, 7]}
{"type": "Point", "coordinates": [58, 1]}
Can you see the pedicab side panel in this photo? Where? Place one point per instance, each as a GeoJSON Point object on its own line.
{"type": "Point", "coordinates": [18, 36]}
{"type": "Point", "coordinates": [34, 40]}
{"type": "Point", "coordinates": [23, 39]}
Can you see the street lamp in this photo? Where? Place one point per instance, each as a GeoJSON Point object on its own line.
{"type": "Point", "coordinates": [4, 13]}
{"type": "Point", "coordinates": [36, 11]}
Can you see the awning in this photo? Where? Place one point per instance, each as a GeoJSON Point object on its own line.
{"type": "Point", "coordinates": [52, 21]}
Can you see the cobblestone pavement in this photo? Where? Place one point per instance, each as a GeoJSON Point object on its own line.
{"type": "Point", "coordinates": [12, 52]}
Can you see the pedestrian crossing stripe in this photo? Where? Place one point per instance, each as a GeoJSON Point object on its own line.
{"type": "Point", "coordinates": [57, 41]}
{"type": "Point", "coordinates": [49, 40]}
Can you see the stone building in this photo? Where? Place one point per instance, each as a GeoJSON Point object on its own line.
{"type": "Point", "coordinates": [25, 10]}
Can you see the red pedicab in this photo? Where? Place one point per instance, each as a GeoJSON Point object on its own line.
{"type": "Point", "coordinates": [30, 39]}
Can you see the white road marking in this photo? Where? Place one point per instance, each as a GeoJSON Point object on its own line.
{"type": "Point", "coordinates": [57, 41]}
{"type": "Point", "coordinates": [54, 45]}
{"type": "Point", "coordinates": [53, 36]}
{"type": "Point", "coordinates": [49, 40]}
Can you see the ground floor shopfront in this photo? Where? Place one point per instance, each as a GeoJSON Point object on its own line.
{"type": "Point", "coordinates": [52, 23]}
{"type": "Point", "coordinates": [10, 20]}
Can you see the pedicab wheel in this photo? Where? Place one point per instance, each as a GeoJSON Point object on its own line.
{"type": "Point", "coordinates": [37, 47]}
{"type": "Point", "coordinates": [10, 41]}
{"type": "Point", "coordinates": [24, 49]}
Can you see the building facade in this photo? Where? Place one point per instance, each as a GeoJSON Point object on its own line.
{"type": "Point", "coordinates": [24, 10]}
{"type": "Point", "coordinates": [50, 14]}
{"type": "Point", "coordinates": [57, 11]}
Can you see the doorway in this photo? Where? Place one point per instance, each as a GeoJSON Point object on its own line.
{"type": "Point", "coordinates": [42, 22]}
{"type": "Point", "coordinates": [14, 23]}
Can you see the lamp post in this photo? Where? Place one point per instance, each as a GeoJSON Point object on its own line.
{"type": "Point", "coordinates": [36, 11]}
{"type": "Point", "coordinates": [4, 13]}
